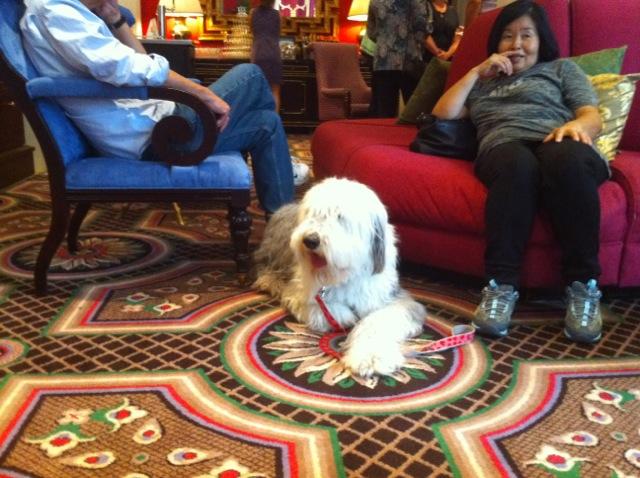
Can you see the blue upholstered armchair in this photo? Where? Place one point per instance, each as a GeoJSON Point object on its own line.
{"type": "Point", "coordinates": [79, 176]}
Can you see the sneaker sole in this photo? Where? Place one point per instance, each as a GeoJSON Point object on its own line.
{"type": "Point", "coordinates": [582, 340]}
{"type": "Point", "coordinates": [496, 334]}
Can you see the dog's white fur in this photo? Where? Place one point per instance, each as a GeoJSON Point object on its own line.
{"type": "Point", "coordinates": [344, 224]}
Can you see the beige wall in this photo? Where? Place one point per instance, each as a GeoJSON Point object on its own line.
{"type": "Point", "coordinates": [133, 5]}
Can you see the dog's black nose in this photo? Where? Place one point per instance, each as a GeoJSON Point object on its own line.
{"type": "Point", "coordinates": [312, 241]}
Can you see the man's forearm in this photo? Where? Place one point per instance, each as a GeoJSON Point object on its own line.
{"type": "Point", "coordinates": [126, 36]}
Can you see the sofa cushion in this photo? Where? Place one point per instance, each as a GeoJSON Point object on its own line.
{"type": "Point", "coordinates": [624, 18]}
{"type": "Point", "coordinates": [444, 194]}
{"type": "Point", "coordinates": [599, 62]}
{"type": "Point", "coordinates": [473, 47]}
{"type": "Point", "coordinates": [429, 89]}
{"type": "Point", "coordinates": [353, 135]}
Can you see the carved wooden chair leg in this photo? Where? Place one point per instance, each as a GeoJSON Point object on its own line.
{"type": "Point", "coordinates": [57, 230]}
{"type": "Point", "coordinates": [240, 227]}
{"type": "Point", "coordinates": [79, 213]}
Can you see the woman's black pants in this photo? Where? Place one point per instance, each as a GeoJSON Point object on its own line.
{"type": "Point", "coordinates": [560, 178]}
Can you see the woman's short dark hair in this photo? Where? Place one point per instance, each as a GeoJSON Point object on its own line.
{"type": "Point", "coordinates": [548, 43]}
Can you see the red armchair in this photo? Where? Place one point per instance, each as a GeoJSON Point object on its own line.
{"type": "Point", "coordinates": [342, 92]}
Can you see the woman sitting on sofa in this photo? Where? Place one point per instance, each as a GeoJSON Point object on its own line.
{"type": "Point", "coordinates": [536, 118]}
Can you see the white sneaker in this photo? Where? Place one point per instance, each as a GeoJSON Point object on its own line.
{"type": "Point", "coordinates": [300, 172]}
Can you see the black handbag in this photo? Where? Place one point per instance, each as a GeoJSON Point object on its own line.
{"type": "Point", "coordinates": [451, 138]}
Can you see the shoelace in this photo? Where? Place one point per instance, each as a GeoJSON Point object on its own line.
{"type": "Point", "coordinates": [585, 305]}
{"type": "Point", "coordinates": [497, 302]}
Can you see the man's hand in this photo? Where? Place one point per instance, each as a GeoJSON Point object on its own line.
{"type": "Point", "coordinates": [218, 106]}
{"type": "Point", "coordinates": [108, 10]}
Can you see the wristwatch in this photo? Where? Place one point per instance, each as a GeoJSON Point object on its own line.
{"type": "Point", "coordinates": [119, 23]}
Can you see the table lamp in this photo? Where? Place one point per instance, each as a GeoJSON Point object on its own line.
{"type": "Point", "coordinates": [184, 18]}
{"type": "Point", "coordinates": [358, 11]}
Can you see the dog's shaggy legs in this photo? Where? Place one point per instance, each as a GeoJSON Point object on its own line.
{"type": "Point", "coordinates": [374, 346]}
{"type": "Point", "coordinates": [338, 242]}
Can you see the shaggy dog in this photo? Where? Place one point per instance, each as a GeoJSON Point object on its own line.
{"type": "Point", "coordinates": [337, 244]}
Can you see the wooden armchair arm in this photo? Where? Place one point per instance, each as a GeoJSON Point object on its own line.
{"type": "Point", "coordinates": [174, 129]}
{"type": "Point", "coordinates": [343, 94]}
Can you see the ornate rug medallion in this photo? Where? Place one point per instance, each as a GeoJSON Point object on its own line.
{"type": "Point", "coordinates": [150, 424]}
{"type": "Point", "coordinates": [200, 226]}
{"type": "Point", "coordinates": [562, 418]}
{"type": "Point", "coordinates": [274, 355]}
{"type": "Point", "coordinates": [11, 351]}
{"type": "Point", "coordinates": [100, 254]}
{"type": "Point", "coordinates": [190, 296]}
{"type": "Point", "coordinates": [36, 188]}
{"type": "Point", "coordinates": [7, 202]}
{"type": "Point", "coordinates": [22, 223]}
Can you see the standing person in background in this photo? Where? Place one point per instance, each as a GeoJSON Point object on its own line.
{"type": "Point", "coordinates": [475, 8]}
{"type": "Point", "coordinates": [447, 32]}
{"type": "Point", "coordinates": [264, 23]}
{"type": "Point", "coordinates": [399, 28]}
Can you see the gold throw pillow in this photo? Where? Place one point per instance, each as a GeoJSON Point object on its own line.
{"type": "Point", "coordinates": [615, 95]}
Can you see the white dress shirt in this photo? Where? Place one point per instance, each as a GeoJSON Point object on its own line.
{"type": "Point", "coordinates": [63, 38]}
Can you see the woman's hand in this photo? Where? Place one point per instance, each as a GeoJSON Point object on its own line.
{"type": "Point", "coordinates": [586, 126]}
{"type": "Point", "coordinates": [572, 129]}
{"type": "Point", "coordinates": [496, 64]}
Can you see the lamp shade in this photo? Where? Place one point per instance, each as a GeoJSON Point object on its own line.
{"type": "Point", "coordinates": [358, 11]}
{"type": "Point", "coordinates": [184, 7]}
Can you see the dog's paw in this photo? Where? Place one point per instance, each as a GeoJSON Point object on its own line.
{"type": "Point", "coordinates": [366, 362]}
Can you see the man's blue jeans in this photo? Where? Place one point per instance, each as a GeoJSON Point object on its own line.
{"type": "Point", "coordinates": [254, 126]}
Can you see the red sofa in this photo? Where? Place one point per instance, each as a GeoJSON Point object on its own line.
{"type": "Point", "coordinates": [437, 205]}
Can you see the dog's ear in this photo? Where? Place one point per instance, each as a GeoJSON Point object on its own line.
{"type": "Point", "coordinates": [378, 246]}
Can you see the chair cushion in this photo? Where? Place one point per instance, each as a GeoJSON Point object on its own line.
{"type": "Point", "coordinates": [222, 170]}
{"type": "Point", "coordinates": [75, 146]}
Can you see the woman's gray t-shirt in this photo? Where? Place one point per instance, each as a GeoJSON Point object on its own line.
{"type": "Point", "coordinates": [529, 105]}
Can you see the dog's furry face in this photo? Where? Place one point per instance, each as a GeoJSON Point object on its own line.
{"type": "Point", "coordinates": [341, 233]}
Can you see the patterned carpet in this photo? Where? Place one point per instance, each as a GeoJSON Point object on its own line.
{"type": "Point", "coordinates": [151, 358]}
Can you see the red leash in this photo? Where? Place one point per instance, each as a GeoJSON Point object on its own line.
{"type": "Point", "coordinates": [327, 315]}
{"type": "Point", "coordinates": [460, 334]}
